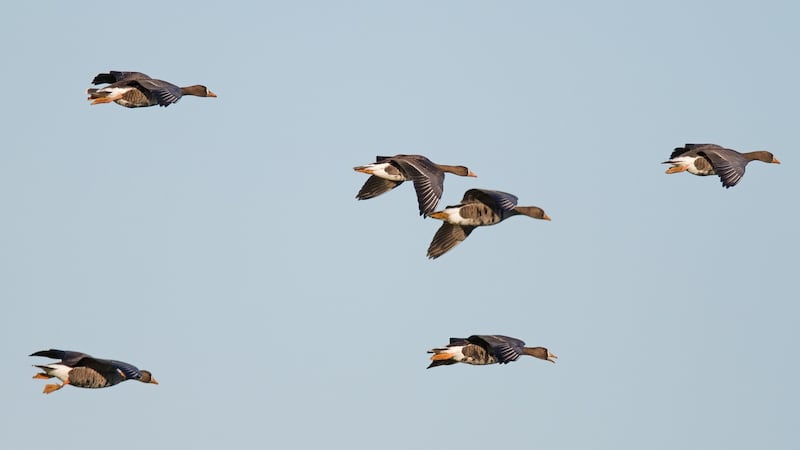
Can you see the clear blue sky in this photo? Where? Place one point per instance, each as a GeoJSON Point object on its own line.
{"type": "Point", "coordinates": [218, 242]}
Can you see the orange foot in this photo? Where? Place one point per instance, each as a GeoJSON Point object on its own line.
{"type": "Point", "coordinates": [42, 376]}
{"type": "Point", "coordinates": [676, 169]}
{"type": "Point", "coordinates": [48, 388]}
{"type": "Point", "coordinates": [102, 100]}
{"type": "Point", "coordinates": [441, 356]}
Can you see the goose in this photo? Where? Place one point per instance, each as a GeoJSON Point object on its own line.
{"type": "Point", "coordinates": [388, 172]}
{"type": "Point", "coordinates": [712, 159]}
{"type": "Point", "coordinates": [81, 370]}
{"type": "Point", "coordinates": [482, 350]}
{"type": "Point", "coordinates": [478, 208]}
{"type": "Point", "coordinates": [136, 90]}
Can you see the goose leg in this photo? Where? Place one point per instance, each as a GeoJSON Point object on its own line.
{"type": "Point", "coordinates": [49, 388]}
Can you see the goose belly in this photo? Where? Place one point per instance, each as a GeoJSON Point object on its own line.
{"type": "Point", "coordinates": [383, 170]}
{"type": "Point", "coordinates": [696, 165]}
{"type": "Point", "coordinates": [134, 98]}
{"type": "Point", "coordinates": [472, 215]}
{"type": "Point", "coordinates": [476, 355]}
{"type": "Point", "coordinates": [87, 378]}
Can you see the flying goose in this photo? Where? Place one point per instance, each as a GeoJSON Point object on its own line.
{"type": "Point", "coordinates": [388, 172]}
{"type": "Point", "coordinates": [81, 370]}
{"type": "Point", "coordinates": [711, 159]}
{"type": "Point", "coordinates": [486, 349]}
{"type": "Point", "coordinates": [136, 90]}
{"type": "Point", "coordinates": [478, 208]}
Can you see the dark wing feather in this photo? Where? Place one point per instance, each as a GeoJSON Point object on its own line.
{"type": "Point", "coordinates": [457, 341]}
{"type": "Point", "coordinates": [429, 192]}
{"type": "Point", "coordinates": [428, 180]}
{"type": "Point", "coordinates": [113, 371]}
{"type": "Point", "coordinates": [375, 186]}
{"type": "Point", "coordinates": [68, 357]}
{"type": "Point", "coordinates": [129, 370]}
{"type": "Point", "coordinates": [691, 148]}
{"type": "Point", "coordinates": [728, 164]}
{"type": "Point", "coordinates": [442, 362]}
{"type": "Point", "coordinates": [164, 92]}
{"type": "Point", "coordinates": [505, 349]}
{"type": "Point", "coordinates": [116, 76]}
{"type": "Point", "coordinates": [494, 199]}
{"type": "Point", "coordinates": [447, 237]}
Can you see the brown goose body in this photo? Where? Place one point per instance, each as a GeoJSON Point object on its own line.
{"type": "Point", "coordinates": [137, 90]}
{"type": "Point", "coordinates": [478, 208]}
{"type": "Point", "coordinates": [388, 172]}
{"type": "Point", "coordinates": [86, 377]}
{"type": "Point", "coordinates": [712, 159]}
{"type": "Point", "coordinates": [481, 350]}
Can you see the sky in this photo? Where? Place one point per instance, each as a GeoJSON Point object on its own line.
{"type": "Point", "coordinates": [218, 242]}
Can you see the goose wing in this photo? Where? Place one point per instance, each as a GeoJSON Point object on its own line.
{"type": "Point", "coordinates": [504, 348]}
{"type": "Point", "coordinates": [495, 199]}
{"type": "Point", "coordinates": [67, 357]}
{"type": "Point", "coordinates": [113, 371]}
{"type": "Point", "coordinates": [165, 93]}
{"type": "Point", "coordinates": [457, 341]}
{"type": "Point", "coordinates": [375, 186]}
{"type": "Point", "coordinates": [691, 148]}
{"type": "Point", "coordinates": [728, 164]}
{"type": "Point", "coordinates": [115, 76]}
{"type": "Point", "coordinates": [428, 180]}
{"type": "Point", "coordinates": [447, 237]}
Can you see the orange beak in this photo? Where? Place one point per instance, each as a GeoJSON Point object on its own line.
{"type": "Point", "coordinates": [210, 94]}
{"type": "Point", "coordinates": [775, 161]}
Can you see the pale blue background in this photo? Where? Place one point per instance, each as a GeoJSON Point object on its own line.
{"type": "Point", "coordinates": [218, 243]}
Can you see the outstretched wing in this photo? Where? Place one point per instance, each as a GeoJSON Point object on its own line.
{"type": "Point", "coordinates": [447, 237]}
{"type": "Point", "coordinates": [728, 164]}
{"type": "Point", "coordinates": [428, 180]}
{"type": "Point", "coordinates": [375, 186]}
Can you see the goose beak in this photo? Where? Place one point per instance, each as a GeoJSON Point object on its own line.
{"type": "Point", "coordinates": [209, 94]}
{"type": "Point", "coordinates": [551, 357]}
{"type": "Point", "coordinates": [775, 161]}
{"type": "Point", "coordinates": [471, 174]}
{"type": "Point", "coordinates": [153, 381]}
{"type": "Point", "coordinates": [545, 217]}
